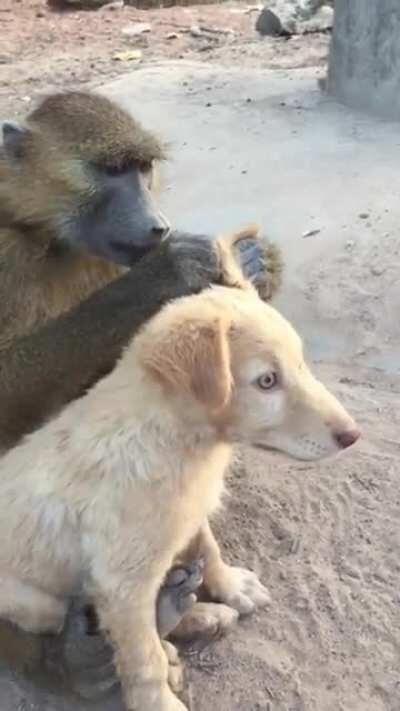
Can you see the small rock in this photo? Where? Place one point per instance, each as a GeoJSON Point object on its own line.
{"type": "Point", "coordinates": [195, 31]}
{"type": "Point", "coordinates": [131, 55]}
{"type": "Point", "coordinates": [112, 6]}
{"type": "Point", "coordinates": [311, 233]}
{"type": "Point", "coordinates": [172, 35]}
{"type": "Point", "coordinates": [377, 271]}
{"type": "Point", "coordinates": [364, 215]}
{"type": "Point", "coordinates": [288, 17]}
{"type": "Point", "coordinates": [136, 28]}
{"type": "Point", "coordinates": [350, 244]}
{"type": "Point", "coordinates": [269, 24]}
{"type": "Point", "coordinates": [78, 4]}
{"type": "Point", "coordinates": [320, 22]}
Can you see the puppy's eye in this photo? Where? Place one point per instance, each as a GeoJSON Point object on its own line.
{"type": "Point", "coordinates": [267, 381]}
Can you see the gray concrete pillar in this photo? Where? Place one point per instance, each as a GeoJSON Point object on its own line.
{"type": "Point", "coordinates": [364, 66]}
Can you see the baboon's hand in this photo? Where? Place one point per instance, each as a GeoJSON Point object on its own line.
{"type": "Point", "coordinates": [177, 595]}
{"type": "Point", "coordinates": [199, 260]}
{"type": "Point", "coordinates": [197, 257]}
{"type": "Point", "coordinates": [261, 263]}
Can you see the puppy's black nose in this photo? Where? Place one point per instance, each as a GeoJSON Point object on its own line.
{"type": "Point", "coordinates": [346, 438]}
{"type": "Point", "coordinates": [157, 233]}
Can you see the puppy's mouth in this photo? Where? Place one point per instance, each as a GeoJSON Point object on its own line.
{"type": "Point", "coordinates": [280, 455]}
{"type": "Point", "coordinates": [276, 453]}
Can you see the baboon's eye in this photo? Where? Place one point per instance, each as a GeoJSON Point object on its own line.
{"type": "Point", "coordinates": [267, 381]}
{"type": "Point", "coordinates": [115, 170]}
{"type": "Point", "coordinates": [145, 166]}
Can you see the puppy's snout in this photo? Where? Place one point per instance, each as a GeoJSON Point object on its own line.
{"type": "Point", "coordinates": [346, 438]}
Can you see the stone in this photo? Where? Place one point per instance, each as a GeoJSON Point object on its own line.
{"type": "Point", "coordinates": [268, 23]}
{"type": "Point", "coordinates": [289, 17]}
{"type": "Point", "coordinates": [77, 4]}
{"type": "Point", "coordinates": [321, 21]}
{"type": "Point", "coordinates": [136, 28]}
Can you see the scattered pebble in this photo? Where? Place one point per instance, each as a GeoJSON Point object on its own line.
{"type": "Point", "coordinates": [311, 233]}
{"type": "Point", "coordinates": [364, 215]}
{"type": "Point", "coordinates": [117, 5]}
{"type": "Point", "coordinates": [195, 31]}
{"type": "Point", "coordinates": [377, 271]}
{"type": "Point", "coordinates": [136, 28]}
{"type": "Point", "coordinates": [129, 56]}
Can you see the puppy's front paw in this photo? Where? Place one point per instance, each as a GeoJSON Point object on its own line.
{"type": "Point", "coordinates": [206, 621]}
{"type": "Point", "coordinates": [239, 588]}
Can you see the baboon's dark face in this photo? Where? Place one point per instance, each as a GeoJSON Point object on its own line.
{"type": "Point", "coordinates": [122, 221]}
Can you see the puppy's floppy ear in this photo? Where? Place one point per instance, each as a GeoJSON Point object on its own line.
{"type": "Point", "coordinates": [192, 356]}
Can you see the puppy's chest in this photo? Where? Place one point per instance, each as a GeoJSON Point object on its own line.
{"type": "Point", "coordinates": [196, 491]}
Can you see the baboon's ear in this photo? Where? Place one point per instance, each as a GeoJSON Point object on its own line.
{"type": "Point", "coordinates": [14, 138]}
{"type": "Point", "coordinates": [193, 357]}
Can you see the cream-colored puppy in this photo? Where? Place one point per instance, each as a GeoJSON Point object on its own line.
{"type": "Point", "coordinates": [106, 495]}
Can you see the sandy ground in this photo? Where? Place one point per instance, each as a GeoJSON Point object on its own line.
{"type": "Point", "coordinates": [42, 50]}
{"type": "Point", "coordinates": [325, 537]}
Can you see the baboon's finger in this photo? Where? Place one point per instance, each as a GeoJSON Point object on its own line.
{"type": "Point", "coordinates": [250, 231]}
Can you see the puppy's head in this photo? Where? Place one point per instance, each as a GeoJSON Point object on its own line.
{"type": "Point", "coordinates": [225, 358]}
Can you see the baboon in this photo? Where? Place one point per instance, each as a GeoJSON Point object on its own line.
{"type": "Point", "coordinates": [85, 259]}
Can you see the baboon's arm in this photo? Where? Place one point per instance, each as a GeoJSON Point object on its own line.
{"type": "Point", "coordinates": [42, 372]}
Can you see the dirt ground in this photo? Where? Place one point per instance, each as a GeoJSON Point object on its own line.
{"type": "Point", "coordinates": [324, 538]}
{"type": "Point", "coordinates": [42, 50]}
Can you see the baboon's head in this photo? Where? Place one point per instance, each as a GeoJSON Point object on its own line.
{"type": "Point", "coordinates": [82, 167]}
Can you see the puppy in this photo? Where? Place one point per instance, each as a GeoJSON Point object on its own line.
{"type": "Point", "coordinates": [106, 495]}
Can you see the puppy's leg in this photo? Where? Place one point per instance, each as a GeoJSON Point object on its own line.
{"type": "Point", "coordinates": [175, 599]}
{"type": "Point", "coordinates": [175, 668]}
{"type": "Point", "coordinates": [237, 587]}
{"type": "Point", "coordinates": [141, 661]}
{"type": "Point", "coordinates": [30, 608]}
